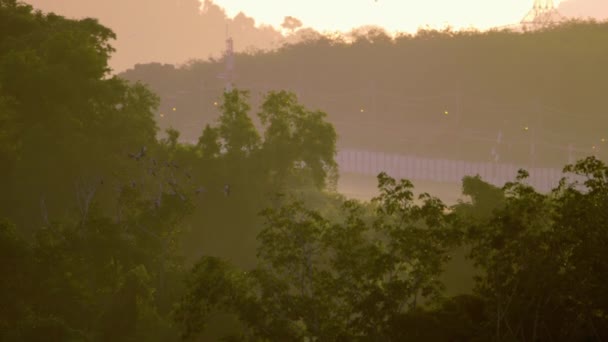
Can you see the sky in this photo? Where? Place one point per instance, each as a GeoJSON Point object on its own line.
{"type": "Point", "coordinates": [393, 15]}
{"type": "Point", "coordinates": [176, 31]}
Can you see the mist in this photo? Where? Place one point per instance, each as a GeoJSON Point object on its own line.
{"type": "Point", "coordinates": [169, 172]}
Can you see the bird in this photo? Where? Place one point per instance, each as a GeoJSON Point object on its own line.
{"type": "Point", "coordinates": [199, 190]}
{"type": "Point", "coordinates": [227, 190]}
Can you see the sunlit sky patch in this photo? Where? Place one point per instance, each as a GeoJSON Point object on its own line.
{"type": "Point", "coordinates": [393, 15]}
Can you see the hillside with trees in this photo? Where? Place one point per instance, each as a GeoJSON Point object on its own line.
{"type": "Point", "coordinates": [113, 230]}
{"type": "Point", "coordinates": [539, 91]}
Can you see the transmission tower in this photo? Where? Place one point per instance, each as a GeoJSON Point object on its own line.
{"type": "Point", "coordinates": [543, 13]}
{"type": "Point", "coordinates": [228, 74]}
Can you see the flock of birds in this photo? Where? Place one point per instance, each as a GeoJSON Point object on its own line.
{"type": "Point", "coordinates": [156, 169]}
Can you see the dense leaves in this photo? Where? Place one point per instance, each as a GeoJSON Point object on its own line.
{"type": "Point", "coordinates": [346, 280]}
{"type": "Point", "coordinates": [100, 218]}
{"type": "Point", "coordinates": [540, 255]}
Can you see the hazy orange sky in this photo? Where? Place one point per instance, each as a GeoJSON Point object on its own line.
{"type": "Point", "coordinates": [393, 15]}
{"type": "Point", "coordinates": [175, 31]}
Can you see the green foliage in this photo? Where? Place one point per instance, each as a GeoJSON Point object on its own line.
{"type": "Point", "coordinates": [325, 280]}
{"type": "Point", "coordinates": [212, 284]}
{"type": "Point", "coordinates": [85, 262]}
{"type": "Point", "coordinates": [236, 130]}
{"type": "Point", "coordinates": [541, 254]}
{"type": "Point", "coordinates": [231, 152]}
{"type": "Point", "coordinates": [92, 248]}
{"type": "Point", "coordinates": [374, 275]}
{"type": "Point", "coordinates": [296, 138]}
{"type": "Point", "coordinates": [208, 143]}
{"type": "Point", "coordinates": [484, 198]}
{"type": "Point", "coordinates": [61, 113]}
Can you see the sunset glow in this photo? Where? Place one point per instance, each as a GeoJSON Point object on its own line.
{"type": "Point", "coordinates": [393, 15]}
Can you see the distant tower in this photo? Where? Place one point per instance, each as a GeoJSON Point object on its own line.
{"type": "Point", "coordinates": [543, 13]}
{"type": "Point", "coordinates": [229, 63]}
{"type": "Point", "coordinates": [228, 74]}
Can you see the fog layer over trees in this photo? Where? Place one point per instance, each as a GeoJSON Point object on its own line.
{"type": "Point", "coordinates": [114, 230]}
{"type": "Point", "coordinates": [530, 96]}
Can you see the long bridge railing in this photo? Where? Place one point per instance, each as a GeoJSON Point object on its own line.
{"type": "Point", "coordinates": [441, 170]}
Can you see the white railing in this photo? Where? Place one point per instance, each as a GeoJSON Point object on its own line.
{"type": "Point", "coordinates": [441, 170]}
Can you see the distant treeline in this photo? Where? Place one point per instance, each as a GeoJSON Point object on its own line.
{"type": "Point", "coordinates": [436, 93]}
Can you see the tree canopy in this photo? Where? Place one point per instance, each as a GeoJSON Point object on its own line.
{"type": "Point", "coordinates": [112, 230]}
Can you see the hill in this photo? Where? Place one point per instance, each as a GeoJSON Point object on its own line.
{"type": "Point", "coordinates": [437, 93]}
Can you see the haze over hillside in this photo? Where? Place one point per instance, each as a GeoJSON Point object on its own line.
{"type": "Point", "coordinates": [166, 31]}
{"type": "Point", "coordinates": [438, 94]}
{"type": "Point", "coordinates": [175, 31]}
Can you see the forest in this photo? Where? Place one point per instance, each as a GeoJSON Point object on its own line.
{"type": "Point", "coordinates": [112, 228]}
{"type": "Point", "coordinates": [539, 90]}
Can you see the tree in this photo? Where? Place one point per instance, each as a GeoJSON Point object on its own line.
{"type": "Point", "coordinates": [239, 136]}
{"type": "Point", "coordinates": [485, 198]}
{"type": "Point", "coordinates": [352, 279]}
{"type": "Point", "coordinates": [297, 141]}
{"type": "Point", "coordinates": [61, 112]}
{"type": "Point", "coordinates": [540, 259]}
{"type": "Point", "coordinates": [69, 134]}
{"type": "Point", "coordinates": [208, 143]}
{"type": "Point", "coordinates": [290, 23]}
